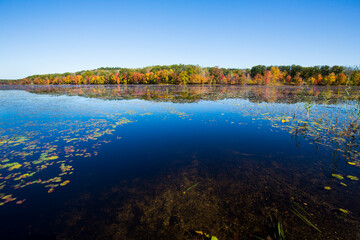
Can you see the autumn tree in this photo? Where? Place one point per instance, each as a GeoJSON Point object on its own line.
{"type": "Point", "coordinates": [319, 79]}
{"type": "Point", "coordinates": [288, 79]}
{"type": "Point", "coordinates": [297, 79]}
{"type": "Point", "coordinates": [276, 74]}
{"type": "Point", "coordinates": [330, 79]}
{"type": "Point", "coordinates": [341, 79]}
{"type": "Point", "coordinates": [267, 77]}
{"type": "Point", "coordinates": [184, 77]}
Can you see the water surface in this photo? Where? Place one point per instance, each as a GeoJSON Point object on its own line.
{"type": "Point", "coordinates": [166, 162]}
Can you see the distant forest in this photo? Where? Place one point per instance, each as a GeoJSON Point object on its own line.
{"type": "Point", "coordinates": [194, 74]}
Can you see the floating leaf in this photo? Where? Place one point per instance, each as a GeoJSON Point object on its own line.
{"type": "Point", "coordinates": [52, 158]}
{"type": "Point", "coordinates": [20, 201]}
{"type": "Point", "coordinates": [344, 211]}
{"type": "Point", "coordinates": [338, 176]}
{"type": "Point", "coordinates": [200, 232]}
{"type": "Point", "coordinates": [206, 235]}
{"type": "Point", "coordinates": [352, 178]}
{"type": "Point", "coordinates": [64, 183]}
{"type": "Point", "coordinates": [14, 166]}
{"type": "Point", "coordinates": [6, 197]}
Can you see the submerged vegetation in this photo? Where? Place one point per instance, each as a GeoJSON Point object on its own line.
{"type": "Point", "coordinates": [194, 74]}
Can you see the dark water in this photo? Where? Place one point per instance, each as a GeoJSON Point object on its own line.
{"type": "Point", "coordinates": [162, 162]}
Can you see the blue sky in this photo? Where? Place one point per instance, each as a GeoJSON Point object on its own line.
{"type": "Point", "coordinates": [38, 37]}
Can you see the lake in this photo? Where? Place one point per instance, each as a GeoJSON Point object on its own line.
{"type": "Point", "coordinates": [179, 162]}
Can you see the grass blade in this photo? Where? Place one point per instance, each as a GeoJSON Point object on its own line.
{"type": "Point", "coordinates": [304, 219]}
{"type": "Point", "coordinates": [192, 186]}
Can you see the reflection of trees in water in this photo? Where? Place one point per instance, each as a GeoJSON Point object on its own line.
{"type": "Point", "coordinates": [193, 93]}
{"type": "Point", "coordinates": [316, 118]}
{"type": "Point", "coordinates": [327, 116]}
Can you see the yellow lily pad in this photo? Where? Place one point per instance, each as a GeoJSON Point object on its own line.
{"type": "Point", "coordinates": [344, 211]}
{"type": "Point", "coordinates": [64, 183]}
{"type": "Point", "coordinates": [353, 178]}
{"type": "Point", "coordinates": [338, 176]}
{"type": "Point", "coordinates": [53, 157]}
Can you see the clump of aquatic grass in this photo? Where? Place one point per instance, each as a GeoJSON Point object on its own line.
{"type": "Point", "coordinates": [276, 230]}
{"type": "Point", "coordinates": [279, 233]}
{"type": "Point", "coordinates": [335, 125]}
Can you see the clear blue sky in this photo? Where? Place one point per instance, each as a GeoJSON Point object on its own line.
{"type": "Point", "coordinates": [38, 37]}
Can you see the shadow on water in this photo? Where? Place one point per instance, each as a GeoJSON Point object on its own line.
{"type": "Point", "coordinates": [179, 162]}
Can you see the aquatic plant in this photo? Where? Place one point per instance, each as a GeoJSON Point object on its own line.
{"type": "Point", "coordinates": [300, 212]}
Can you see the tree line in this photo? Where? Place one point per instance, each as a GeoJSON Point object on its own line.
{"type": "Point", "coordinates": [194, 74]}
